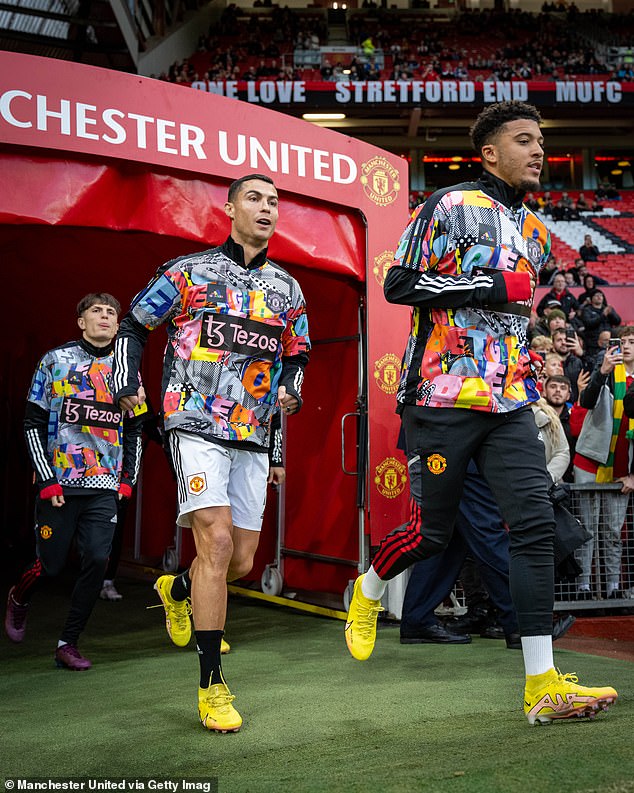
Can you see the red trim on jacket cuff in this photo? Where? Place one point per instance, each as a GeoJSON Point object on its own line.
{"type": "Point", "coordinates": [518, 286]}
{"type": "Point", "coordinates": [125, 490]}
{"type": "Point", "coordinates": [51, 490]}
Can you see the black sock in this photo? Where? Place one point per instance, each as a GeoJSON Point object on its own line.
{"type": "Point", "coordinates": [181, 586]}
{"type": "Point", "coordinates": [208, 648]}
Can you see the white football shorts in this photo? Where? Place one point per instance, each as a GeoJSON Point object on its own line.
{"type": "Point", "coordinates": [210, 475]}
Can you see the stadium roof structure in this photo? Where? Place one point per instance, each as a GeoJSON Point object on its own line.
{"type": "Point", "coordinates": [84, 31]}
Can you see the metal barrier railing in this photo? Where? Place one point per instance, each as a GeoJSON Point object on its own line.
{"type": "Point", "coordinates": [606, 579]}
{"type": "Point", "coordinates": [608, 557]}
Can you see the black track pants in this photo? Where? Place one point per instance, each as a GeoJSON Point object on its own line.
{"type": "Point", "coordinates": [510, 455]}
{"type": "Point", "coordinates": [91, 519]}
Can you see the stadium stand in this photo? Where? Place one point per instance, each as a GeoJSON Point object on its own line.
{"type": "Point", "coordinates": [612, 231]}
{"type": "Point", "coordinates": [476, 45]}
{"type": "Point", "coordinates": [273, 43]}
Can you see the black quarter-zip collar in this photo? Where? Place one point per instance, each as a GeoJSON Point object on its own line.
{"type": "Point", "coordinates": [502, 191]}
{"type": "Point", "coordinates": [96, 352]}
{"type": "Point", "coordinates": [235, 251]}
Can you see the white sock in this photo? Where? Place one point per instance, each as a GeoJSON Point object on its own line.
{"type": "Point", "coordinates": [60, 643]}
{"type": "Point", "coordinates": [108, 582]}
{"type": "Point", "coordinates": [372, 586]}
{"type": "Point", "coordinates": [538, 654]}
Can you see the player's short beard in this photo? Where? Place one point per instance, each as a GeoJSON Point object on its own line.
{"type": "Point", "coordinates": [528, 185]}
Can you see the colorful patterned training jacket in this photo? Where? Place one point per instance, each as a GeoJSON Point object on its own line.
{"type": "Point", "coordinates": [235, 334]}
{"type": "Point", "coordinates": [75, 434]}
{"type": "Point", "coordinates": [456, 264]}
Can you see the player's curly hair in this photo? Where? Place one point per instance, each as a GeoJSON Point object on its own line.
{"type": "Point", "coordinates": [494, 117]}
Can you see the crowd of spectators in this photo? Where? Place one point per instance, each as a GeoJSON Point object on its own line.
{"type": "Point", "coordinates": [512, 45]}
{"type": "Point", "coordinates": [563, 208]}
{"type": "Point", "coordinates": [237, 39]}
{"type": "Point", "coordinates": [585, 321]}
{"type": "Point", "coordinates": [476, 45]}
{"type": "Point", "coordinates": [576, 274]}
{"type": "Point", "coordinates": [568, 208]}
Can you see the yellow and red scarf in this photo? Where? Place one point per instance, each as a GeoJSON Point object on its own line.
{"type": "Point", "coordinates": [605, 473]}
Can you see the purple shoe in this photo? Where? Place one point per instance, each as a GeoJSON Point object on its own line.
{"type": "Point", "coordinates": [15, 618]}
{"type": "Point", "coordinates": [68, 657]}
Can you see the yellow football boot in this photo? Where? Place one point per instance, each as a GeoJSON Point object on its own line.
{"type": "Point", "coordinates": [177, 612]}
{"type": "Point", "coordinates": [215, 709]}
{"type": "Point", "coordinates": [554, 696]}
{"type": "Point", "coordinates": [360, 627]}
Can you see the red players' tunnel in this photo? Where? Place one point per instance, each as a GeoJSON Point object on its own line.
{"type": "Point", "coordinates": [103, 177]}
